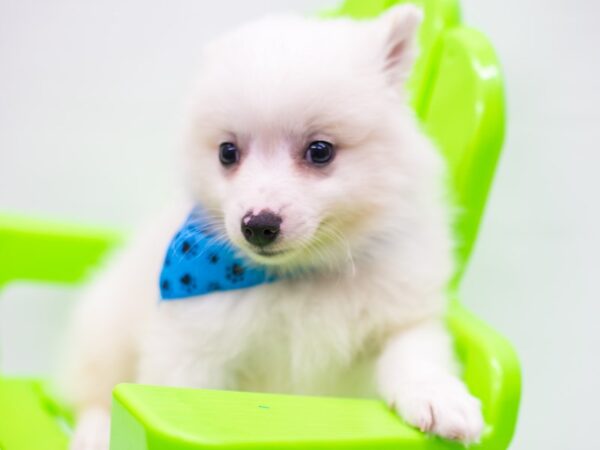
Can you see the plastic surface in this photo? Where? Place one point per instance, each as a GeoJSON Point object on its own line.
{"type": "Point", "coordinates": [48, 251]}
{"type": "Point", "coordinates": [457, 92]}
{"type": "Point", "coordinates": [195, 419]}
{"type": "Point", "coordinates": [28, 419]}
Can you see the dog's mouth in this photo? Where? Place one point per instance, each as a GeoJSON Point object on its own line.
{"type": "Point", "coordinates": [271, 253]}
{"type": "Point", "coordinates": [270, 256]}
{"type": "Point", "coordinates": [280, 254]}
{"type": "Point", "coordinates": [283, 253]}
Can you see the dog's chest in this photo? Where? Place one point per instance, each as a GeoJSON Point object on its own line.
{"type": "Point", "coordinates": [302, 337]}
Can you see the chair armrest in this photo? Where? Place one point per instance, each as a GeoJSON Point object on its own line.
{"type": "Point", "coordinates": [152, 417]}
{"type": "Point", "coordinates": [29, 420]}
{"type": "Point", "coordinates": [39, 250]}
{"type": "Point", "coordinates": [492, 373]}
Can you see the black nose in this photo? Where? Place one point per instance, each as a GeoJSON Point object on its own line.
{"type": "Point", "coordinates": [261, 229]}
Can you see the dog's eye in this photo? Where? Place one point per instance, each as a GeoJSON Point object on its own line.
{"type": "Point", "coordinates": [228, 153]}
{"type": "Point", "coordinates": [319, 153]}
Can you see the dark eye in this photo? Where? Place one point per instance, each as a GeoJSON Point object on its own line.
{"type": "Point", "coordinates": [319, 153]}
{"type": "Point", "coordinates": [228, 153]}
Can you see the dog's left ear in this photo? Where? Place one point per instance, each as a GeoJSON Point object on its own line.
{"type": "Point", "coordinates": [399, 27]}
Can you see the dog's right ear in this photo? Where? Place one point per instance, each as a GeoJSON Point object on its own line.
{"type": "Point", "coordinates": [398, 41]}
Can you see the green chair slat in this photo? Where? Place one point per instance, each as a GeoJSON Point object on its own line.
{"type": "Point", "coordinates": [27, 421]}
{"type": "Point", "coordinates": [464, 114]}
{"type": "Point", "coordinates": [38, 250]}
{"type": "Point", "coordinates": [177, 419]}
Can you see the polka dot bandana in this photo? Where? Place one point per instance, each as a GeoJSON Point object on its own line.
{"type": "Point", "coordinates": [199, 262]}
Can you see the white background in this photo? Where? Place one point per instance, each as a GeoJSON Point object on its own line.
{"type": "Point", "coordinates": [90, 102]}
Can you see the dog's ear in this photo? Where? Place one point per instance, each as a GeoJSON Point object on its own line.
{"type": "Point", "coordinates": [399, 27]}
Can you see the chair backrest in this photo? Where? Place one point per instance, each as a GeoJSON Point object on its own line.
{"type": "Point", "coordinates": [458, 94]}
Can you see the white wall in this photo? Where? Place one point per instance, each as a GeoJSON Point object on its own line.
{"type": "Point", "coordinates": [90, 96]}
{"type": "Point", "coordinates": [534, 268]}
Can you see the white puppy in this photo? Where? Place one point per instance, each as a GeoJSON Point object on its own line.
{"type": "Point", "coordinates": [319, 138]}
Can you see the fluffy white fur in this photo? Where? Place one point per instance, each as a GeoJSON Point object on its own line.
{"type": "Point", "coordinates": [369, 233]}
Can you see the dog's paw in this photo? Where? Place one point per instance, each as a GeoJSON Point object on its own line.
{"type": "Point", "coordinates": [92, 431]}
{"type": "Point", "coordinates": [442, 407]}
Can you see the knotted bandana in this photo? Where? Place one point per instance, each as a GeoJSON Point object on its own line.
{"type": "Point", "coordinates": [199, 262]}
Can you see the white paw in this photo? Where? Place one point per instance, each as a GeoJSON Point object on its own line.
{"type": "Point", "coordinates": [92, 431]}
{"type": "Point", "coordinates": [442, 407]}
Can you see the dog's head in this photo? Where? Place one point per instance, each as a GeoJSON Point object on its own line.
{"type": "Point", "coordinates": [301, 133]}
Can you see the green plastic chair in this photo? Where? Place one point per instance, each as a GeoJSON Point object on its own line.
{"type": "Point", "coordinates": [457, 92]}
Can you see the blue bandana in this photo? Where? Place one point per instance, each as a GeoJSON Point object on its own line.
{"type": "Point", "coordinates": [199, 262]}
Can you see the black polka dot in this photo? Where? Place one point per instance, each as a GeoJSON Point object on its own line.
{"type": "Point", "coordinates": [213, 258]}
{"type": "Point", "coordinates": [235, 273]}
{"type": "Point", "coordinates": [186, 279]}
{"type": "Point", "coordinates": [165, 285]}
{"type": "Point", "coordinates": [185, 247]}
